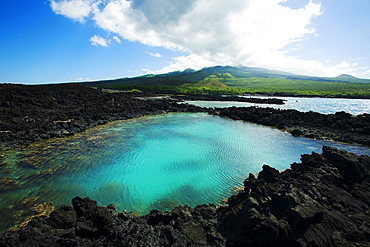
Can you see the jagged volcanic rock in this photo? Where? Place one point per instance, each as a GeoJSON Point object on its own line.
{"type": "Point", "coordinates": [340, 126]}
{"type": "Point", "coordinates": [322, 201]}
{"type": "Point", "coordinates": [30, 113]}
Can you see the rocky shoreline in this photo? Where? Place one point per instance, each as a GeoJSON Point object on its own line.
{"type": "Point", "coordinates": [322, 201]}
{"type": "Point", "coordinates": [33, 113]}
{"type": "Point", "coordinates": [341, 126]}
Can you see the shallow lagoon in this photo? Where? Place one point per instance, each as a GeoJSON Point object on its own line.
{"type": "Point", "coordinates": [155, 162]}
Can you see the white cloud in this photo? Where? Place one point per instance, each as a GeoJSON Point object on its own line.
{"type": "Point", "coordinates": [80, 79]}
{"type": "Point", "coordinates": [154, 54]}
{"type": "Point", "coordinates": [183, 62]}
{"type": "Point", "coordinates": [366, 73]}
{"type": "Point", "coordinates": [212, 32]}
{"type": "Point", "coordinates": [118, 40]}
{"type": "Point", "coordinates": [77, 10]}
{"type": "Point", "coordinates": [243, 27]}
{"type": "Point", "coordinates": [97, 40]}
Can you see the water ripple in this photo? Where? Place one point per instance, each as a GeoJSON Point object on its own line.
{"type": "Point", "coordinates": [149, 163]}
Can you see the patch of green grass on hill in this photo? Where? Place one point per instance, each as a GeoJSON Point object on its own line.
{"type": "Point", "coordinates": [213, 83]}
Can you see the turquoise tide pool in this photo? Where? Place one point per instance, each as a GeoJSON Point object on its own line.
{"type": "Point", "coordinates": [155, 162]}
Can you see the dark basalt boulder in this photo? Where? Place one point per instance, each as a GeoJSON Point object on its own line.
{"type": "Point", "coordinates": [322, 201]}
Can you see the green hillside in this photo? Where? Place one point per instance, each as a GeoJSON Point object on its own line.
{"type": "Point", "coordinates": [212, 83]}
{"type": "Point", "coordinates": [238, 80]}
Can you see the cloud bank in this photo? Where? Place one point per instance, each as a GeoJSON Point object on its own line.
{"type": "Point", "coordinates": [210, 32]}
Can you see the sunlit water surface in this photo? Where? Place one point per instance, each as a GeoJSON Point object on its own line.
{"type": "Point", "coordinates": [321, 105]}
{"type": "Point", "coordinates": [155, 162]}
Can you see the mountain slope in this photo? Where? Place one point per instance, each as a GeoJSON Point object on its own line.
{"type": "Point", "coordinates": [178, 78]}
{"type": "Point", "coordinates": [345, 76]}
{"type": "Point", "coordinates": [238, 80]}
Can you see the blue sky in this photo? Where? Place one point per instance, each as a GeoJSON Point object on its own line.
{"type": "Point", "coordinates": [79, 40]}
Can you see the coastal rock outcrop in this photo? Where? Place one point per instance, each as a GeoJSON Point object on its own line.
{"type": "Point", "coordinates": [341, 126]}
{"type": "Point", "coordinates": [322, 201]}
{"type": "Point", "coordinates": [31, 113]}
{"type": "Point", "coordinates": [319, 202]}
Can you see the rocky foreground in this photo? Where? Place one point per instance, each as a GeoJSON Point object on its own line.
{"type": "Point", "coordinates": [322, 201]}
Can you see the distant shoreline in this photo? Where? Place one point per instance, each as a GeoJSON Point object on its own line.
{"type": "Point", "coordinates": [304, 96]}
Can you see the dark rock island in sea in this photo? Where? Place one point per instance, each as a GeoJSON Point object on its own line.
{"type": "Point", "coordinates": [322, 201]}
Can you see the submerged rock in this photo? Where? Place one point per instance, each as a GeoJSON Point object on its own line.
{"type": "Point", "coordinates": [322, 201]}
{"type": "Point", "coordinates": [43, 209]}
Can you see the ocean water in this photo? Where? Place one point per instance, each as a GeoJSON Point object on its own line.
{"type": "Point", "coordinates": [155, 162]}
{"type": "Point", "coordinates": [321, 105]}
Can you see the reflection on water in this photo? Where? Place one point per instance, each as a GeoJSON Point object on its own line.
{"type": "Point", "coordinates": [149, 163]}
